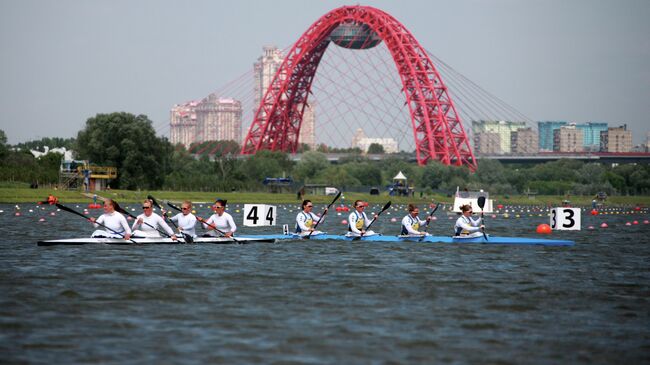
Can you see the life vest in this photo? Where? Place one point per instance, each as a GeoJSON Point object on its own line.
{"type": "Point", "coordinates": [359, 223]}
{"type": "Point", "coordinates": [415, 223]}
{"type": "Point", "coordinates": [460, 231]}
{"type": "Point", "coordinates": [308, 222]}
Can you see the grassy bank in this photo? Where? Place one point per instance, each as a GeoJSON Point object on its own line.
{"type": "Point", "coordinates": [26, 195]}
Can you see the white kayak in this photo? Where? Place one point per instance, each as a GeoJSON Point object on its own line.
{"type": "Point", "coordinates": [155, 241]}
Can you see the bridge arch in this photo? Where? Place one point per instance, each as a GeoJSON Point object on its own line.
{"type": "Point", "coordinates": [437, 129]}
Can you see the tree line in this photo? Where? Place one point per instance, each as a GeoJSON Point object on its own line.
{"type": "Point", "coordinates": [145, 161]}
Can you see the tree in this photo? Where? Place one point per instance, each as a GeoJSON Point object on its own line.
{"type": "Point", "coordinates": [3, 144]}
{"type": "Point", "coordinates": [311, 165]}
{"type": "Point", "coordinates": [376, 149]}
{"type": "Point", "coordinates": [129, 143]}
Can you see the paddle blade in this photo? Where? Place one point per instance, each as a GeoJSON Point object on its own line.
{"type": "Point", "coordinates": [150, 197]}
{"type": "Point", "coordinates": [386, 206]}
{"type": "Point", "coordinates": [481, 202]}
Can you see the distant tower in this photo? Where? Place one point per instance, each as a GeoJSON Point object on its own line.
{"type": "Point", "coordinates": [219, 119]}
{"type": "Point", "coordinates": [264, 70]}
{"type": "Point", "coordinates": [358, 136]}
{"type": "Point", "coordinates": [183, 124]}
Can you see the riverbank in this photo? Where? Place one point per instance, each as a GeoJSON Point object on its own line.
{"type": "Point", "coordinates": [24, 195]}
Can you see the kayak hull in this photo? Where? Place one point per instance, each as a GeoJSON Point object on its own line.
{"type": "Point", "coordinates": [156, 241]}
{"type": "Point", "coordinates": [494, 240]}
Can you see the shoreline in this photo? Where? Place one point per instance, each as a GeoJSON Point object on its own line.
{"type": "Point", "coordinates": [26, 195]}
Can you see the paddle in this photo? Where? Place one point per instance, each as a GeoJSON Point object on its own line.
{"type": "Point", "coordinates": [124, 211]}
{"type": "Point", "coordinates": [63, 207]}
{"type": "Point", "coordinates": [373, 221]}
{"type": "Point", "coordinates": [427, 225]}
{"type": "Point", "coordinates": [187, 237]}
{"type": "Point", "coordinates": [481, 204]}
{"type": "Point", "coordinates": [324, 212]}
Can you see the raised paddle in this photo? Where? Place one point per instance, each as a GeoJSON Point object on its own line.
{"type": "Point", "coordinates": [124, 211]}
{"type": "Point", "coordinates": [427, 225]}
{"type": "Point", "coordinates": [187, 237]}
{"type": "Point", "coordinates": [322, 215]}
{"type": "Point", "coordinates": [63, 207]}
{"type": "Point", "coordinates": [373, 221]}
{"type": "Point", "coordinates": [481, 204]}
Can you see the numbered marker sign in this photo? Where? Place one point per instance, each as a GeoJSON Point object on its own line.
{"type": "Point", "coordinates": [259, 215]}
{"type": "Point", "coordinates": [565, 219]}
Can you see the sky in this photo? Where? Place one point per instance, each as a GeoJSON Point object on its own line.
{"type": "Point", "coordinates": [64, 61]}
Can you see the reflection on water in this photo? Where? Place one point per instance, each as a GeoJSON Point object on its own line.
{"type": "Point", "coordinates": [326, 302]}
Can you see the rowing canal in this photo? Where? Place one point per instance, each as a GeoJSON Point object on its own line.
{"type": "Point", "coordinates": [326, 302]}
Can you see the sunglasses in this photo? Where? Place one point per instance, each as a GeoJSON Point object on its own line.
{"type": "Point", "coordinates": [361, 206]}
{"type": "Point", "coordinates": [217, 207]}
{"type": "Point", "coordinates": [308, 206]}
{"type": "Point", "coordinates": [185, 208]}
{"type": "Point", "coordinates": [146, 207]}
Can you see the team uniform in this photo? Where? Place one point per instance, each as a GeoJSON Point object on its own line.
{"type": "Point", "coordinates": [305, 221]}
{"type": "Point", "coordinates": [356, 222]}
{"type": "Point", "coordinates": [411, 226]}
{"type": "Point", "coordinates": [185, 223]}
{"type": "Point", "coordinates": [467, 227]}
{"type": "Point", "coordinates": [224, 223]}
{"type": "Point", "coordinates": [116, 224]}
{"type": "Point", "coordinates": [149, 226]}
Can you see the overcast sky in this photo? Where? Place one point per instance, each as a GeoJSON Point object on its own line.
{"type": "Point", "coordinates": [64, 61]}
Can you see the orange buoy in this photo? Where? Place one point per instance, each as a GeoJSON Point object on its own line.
{"type": "Point", "coordinates": [594, 212]}
{"type": "Point", "coordinates": [544, 229]}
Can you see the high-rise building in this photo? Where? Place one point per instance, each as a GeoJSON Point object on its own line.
{"type": "Point", "coordinates": [264, 71]}
{"type": "Point", "coordinates": [591, 135]}
{"type": "Point", "coordinates": [524, 141]}
{"type": "Point", "coordinates": [545, 131]}
{"type": "Point", "coordinates": [647, 141]}
{"type": "Point", "coordinates": [219, 119]}
{"type": "Point", "coordinates": [361, 141]}
{"type": "Point", "coordinates": [307, 128]}
{"type": "Point", "coordinates": [501, 127]}
{"type": "Point", "coordinates": [183, 125]}
{"type": "Point", "coordinates": [568, 139]}
{"type": "Point", "coordinates": [487, 143]}
{"type": "Point", "coordinates": [616, 140]}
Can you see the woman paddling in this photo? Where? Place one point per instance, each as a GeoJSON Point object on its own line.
{"type": "Point", "coordinates": [358, 221]}
{"type": "Point", "coordinates": [116, 224]}
{"type": "Point", "coordinates": [186, 220]}
{"type": "Point", "coordinates": [221, 219]}
{"type": "Point", "coordinates": [411, 223]}
{"type": "Point", "coordinates": [149, 222]}
{"type": "Point", "coordinates": [466, 226]}
{"type": "Point", "coordinates": [306, 220]}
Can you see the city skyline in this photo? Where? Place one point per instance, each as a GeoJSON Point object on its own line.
{"type": "Point", "coordinates": [64, 62]}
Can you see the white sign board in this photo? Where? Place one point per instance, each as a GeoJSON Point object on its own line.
{"type": "Point", "coordinates": [259, 215]}
{"type": "Point", "coordinates": [565, 219]}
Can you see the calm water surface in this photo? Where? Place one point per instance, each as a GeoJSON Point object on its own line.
{"type": "Point", "coordinates": [325, 302]}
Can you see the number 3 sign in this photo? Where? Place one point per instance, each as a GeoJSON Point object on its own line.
{"type": "Point", "coordinates": [258, 215]}
{"type": "Point", "coordinates": [565, 219]}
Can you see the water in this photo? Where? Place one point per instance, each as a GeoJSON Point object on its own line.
{"type": "Point", "coordinates": [325, 302]}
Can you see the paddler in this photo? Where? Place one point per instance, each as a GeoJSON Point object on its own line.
{"type": "Point", "coordinates": [306, 220]}
{"type": "Point", "coordinates": [358, 221]}
{"type": "Point", "coordinates": [465, 225]}
{"type": "Point", "coordinates": [51, 200]}
{"type": "Point", "coordinates": [116, 224]}
{"type": "Point", "coordinates": [149, 222]}
{"type": "Point", "coordinates": [186, 220]}
{"type": "Point", "coordinates": [221, 219]}
{"type": "Point", "coordinates": [411, 223]}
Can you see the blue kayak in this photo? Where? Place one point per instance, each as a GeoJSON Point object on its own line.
{"type": "Point", "coordinates": [492, 240]}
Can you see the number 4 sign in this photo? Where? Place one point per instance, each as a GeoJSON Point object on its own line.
{"type": "Point", "coordinates": [259, 215]}
{"type": "Point", "coordinates": [565, 219]}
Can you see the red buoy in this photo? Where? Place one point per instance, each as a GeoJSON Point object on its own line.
{"type": "Point", "coordinates": [594, 212]}
{"type": "Point", "coordinates": [544, 229]}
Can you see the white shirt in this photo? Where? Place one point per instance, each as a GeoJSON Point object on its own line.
{"type": "Point", "coordinates": [185, 223]}
{"type": "Point", "coordinates": [154, 220]}
{"type": "Point", "coordinates": [408, 222]}
{"type": "Point", "coordinates": [224, 223]}
{"type": "Point", "coordinates": [114, 222]}
{"type": "Point", "coordinates": [466, 225]}
{"type": "Point", "coordinates": [301, 221]}
{"type": "Point", "coordinates": [353, 218]}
